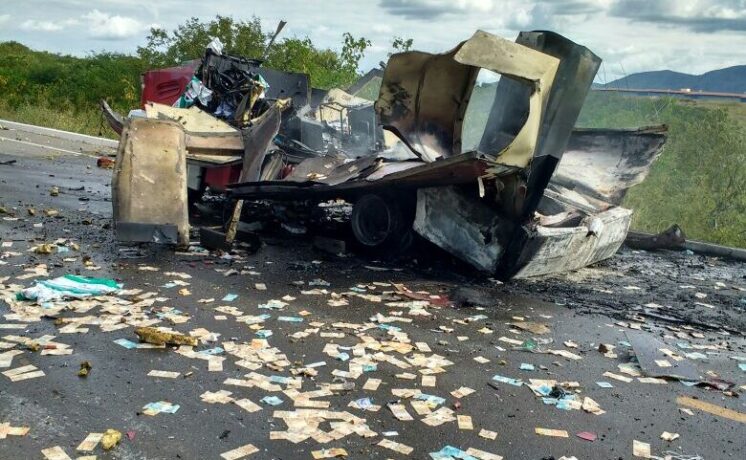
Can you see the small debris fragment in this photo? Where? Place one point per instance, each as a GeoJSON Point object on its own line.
{"type": "Point", "coordinates": [240, 452]}
{"type": "Point", "coordinates": [55, 453]}
{"type": "Point", "coordinates": [90, 442]}
{"type": "Point", "coordinates": [396, 447]}
{"type": "Point", "coordinates": [464, 422]}
{"type": "Point", "coordinates": [487, 434]}
{"type": "Point", "coordinates": [110, 439]}
{"type": "Point", "coordinates": [105, 163]}
{"type": "Point", "coordinates": [85, 369]}
{"type": "Point", "coordinates": [164, 374]}
{"type": "Point", "coordinates": [7, 430]}
{"type": "Point", "coordinates": [552, 432]}
{"type": "Point", "coordinates": [155, 408]}
{"type": "Point", "coordinates": [329, 453]}
{"type": "Point", "coordinates": [640, 449]}
{"type": "Point", "coordinates": [158, 337]}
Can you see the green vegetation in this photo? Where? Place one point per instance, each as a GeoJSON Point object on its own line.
{"type": "Point", "coordinates": [328, 68]}
{"type": "Point", "coordinates": [63, 91]}
{"type": "Point", "coordinates": [699, 182]}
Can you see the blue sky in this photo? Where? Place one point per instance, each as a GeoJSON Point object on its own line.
{"type": "Point", "coordinates": [691, 36]}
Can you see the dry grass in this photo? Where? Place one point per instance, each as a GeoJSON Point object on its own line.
{"type": "Point", "coordinates": [85, 122]}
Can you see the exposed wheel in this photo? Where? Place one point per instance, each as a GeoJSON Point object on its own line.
{"type": "Point", "coordinates": [381, 222]}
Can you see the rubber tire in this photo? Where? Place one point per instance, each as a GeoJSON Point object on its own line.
{"type": "Point", "coordinates": [390, 230]}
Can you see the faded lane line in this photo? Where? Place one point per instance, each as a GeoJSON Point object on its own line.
{"type": "Point", "coordinates": [711, 408]}
{"type": "Point", "coordinates": [40, 145]}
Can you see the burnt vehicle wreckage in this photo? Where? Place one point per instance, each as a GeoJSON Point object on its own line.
{"type": "Point", "coordinates": [492, 173]}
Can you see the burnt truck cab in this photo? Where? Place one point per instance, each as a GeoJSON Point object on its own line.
{"type": "Point", "coordinates": [492, 173]}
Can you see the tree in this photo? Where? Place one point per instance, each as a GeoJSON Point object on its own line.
{"type": "Point", "coordinates": [352, 51]}
{"type": "Point", "coordinates": [400, 45]}
{"type": "Point", "coordinates": [326, 67]}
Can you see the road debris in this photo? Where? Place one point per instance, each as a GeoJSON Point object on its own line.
{"type": "Point", "coordinates": [155, 408]}
{"type": "Point", "coordinates": [240, 452]}
{"type": "Point", "coordinates": [90, 442]}
{"type": "Point", "coordinates": [335, 452]}
{"type": "Point", "coordinates": [55, 453]}
{"type": "Point", "coordinates": [23, 373]}
{"type": "Point", "coordinates": [7, 430]}
{"type": "Point", "coordinates": [587, 435]}
{"type": "Point", "coordinates": [159, 337]}
{"type": "Point", "coordinates": [552, 432]}
{"type": "Point", "coordinates": [85, 369]}
{"type": "Point", "coordinates": [395, 446]}
{"type": "Point", "coordinates": [164, 374]}
{"type": "Point", "coordinates": [641, 449]}
{"type": "Point", "coordinates": [110, 438]}
{"type": "Point", "coordinates": [653, 357]}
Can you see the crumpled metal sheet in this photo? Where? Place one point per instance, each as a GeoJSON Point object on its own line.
{"type": "Point", "coordinates": [549, 250]}
{"type": "Point", "coordinates": [333, 170]}
{"type": "Point", "coordinates": [424, 96]}
{"type": "Point", "coordinates": [460, 224]}
{"type": "Point", "coordinates": [605, 163]}
{"type": "Point", "coordinates": [257, 139]}
{"type": "Point", "coordinates": [422, 99]}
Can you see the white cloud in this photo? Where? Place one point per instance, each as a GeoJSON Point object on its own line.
{"type": "Point", "coordinates": [4, 18]}
{"type": "Point", "coordinates": [105, 26]}
{"type": "Point", "coordinates": [34, 25]}
{"type": "Point", "coordinates": [381, 28]}
{"type": "Point", "coordinates": [433, 8]}
{"type": "Point", "coordinates": [100, 25]}
{"type": "Point", "coordinates": [698, 15]}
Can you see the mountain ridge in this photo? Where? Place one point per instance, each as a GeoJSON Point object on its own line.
{"type": "Point", "coordinates": [727, 80]}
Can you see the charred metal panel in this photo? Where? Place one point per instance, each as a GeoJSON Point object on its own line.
{"type": "Point", "coordinates": [147, 233]}
{"type": "Point", "coordinates": [560, 249]}
{"type": "Point", "coordinates": [424, 97]}
{"type": "Point", "coordinates": [650, 351]}
{"type": "Point", "coordinates": [257, 139]}
{"type": "Point", "coordinates": [577, 69]}
{"type": "Point", "coordinates": [291, 85]}
{"type": "Point", "coordinates": [533, 72]}
{"type": "Point", "coordinates": [423, 100]}
{"type": "Point", "coordinates": [605, 163]}
{"type": "Point", "coordinates": [461, 169]}
{"type": "Point", "coordinates": [282, 85]}
{"type": "Point", "coordinates": [461, 224]}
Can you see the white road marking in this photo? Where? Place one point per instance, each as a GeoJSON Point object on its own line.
{"type": "Point", "coordinates": [41, 145]}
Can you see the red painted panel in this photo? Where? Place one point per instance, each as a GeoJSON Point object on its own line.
{"type": "Point", "coordinates": [218, 177]}
{"type": "Point", "coordinates": [166, 85]}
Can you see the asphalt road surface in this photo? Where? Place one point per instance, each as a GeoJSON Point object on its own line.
{"type": "Point", "coordinates": [596, 305]}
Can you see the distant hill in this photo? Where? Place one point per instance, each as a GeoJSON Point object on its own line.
{"type": "Point", "coordinates": [728, 80]}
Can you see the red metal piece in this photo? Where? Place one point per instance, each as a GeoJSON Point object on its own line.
{"type": "Point", "coordinates": [218, 177]}
{"type": "Point", "coordinates": [105, 162]}
{"type": "Point", "coordinates": [164, 86]}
